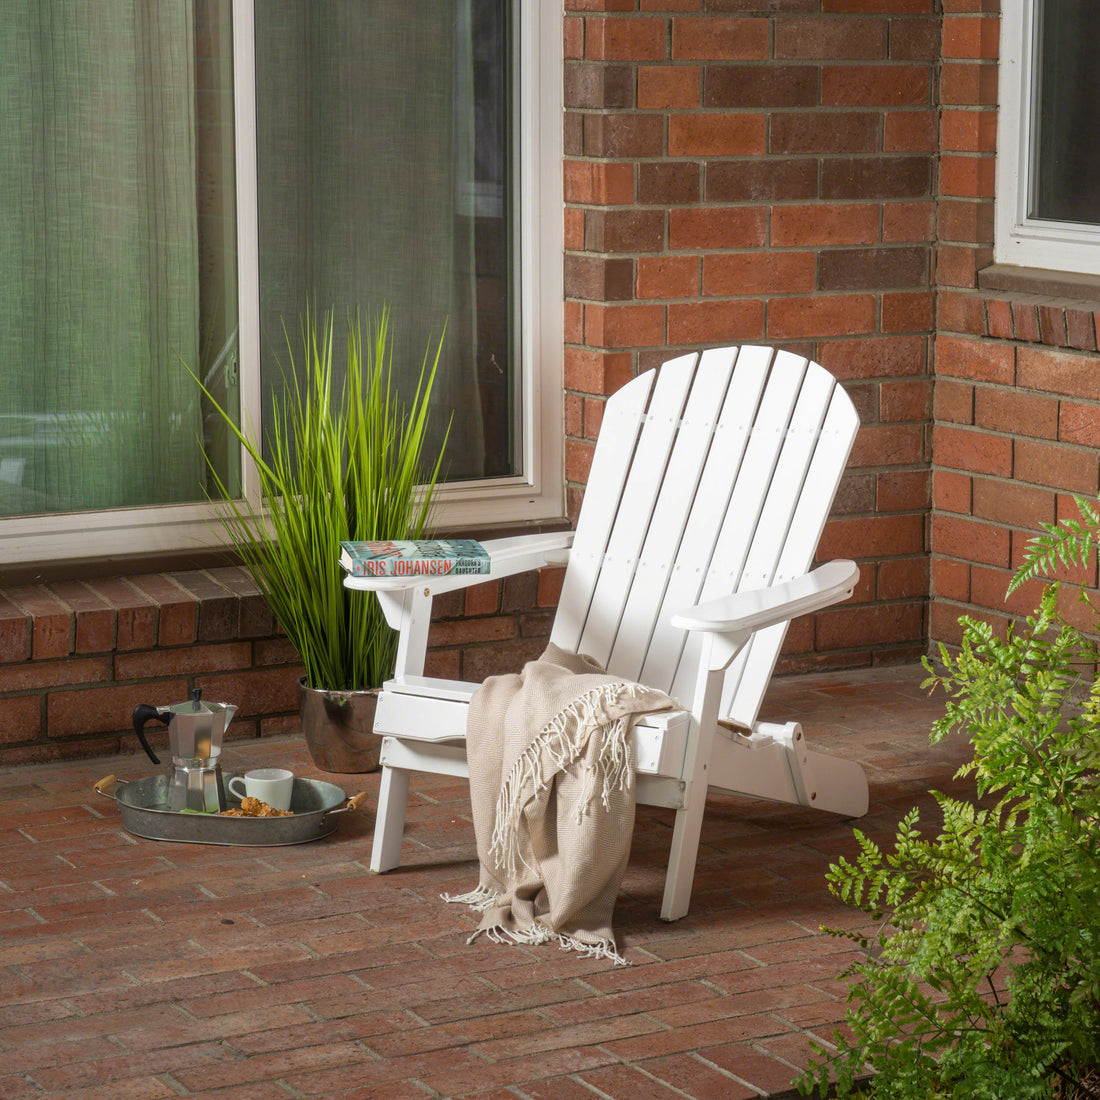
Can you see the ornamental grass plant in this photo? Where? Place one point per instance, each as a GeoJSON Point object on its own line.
{"type": "Point", "coordinates": [346, 461]}
{"type": "Point", "coordinates": [980, 977]}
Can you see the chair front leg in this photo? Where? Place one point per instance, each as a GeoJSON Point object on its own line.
{"type": "Point", "coordinates": [389, 821]}
{"type": "Point", "coordinates": [688, 826]}
{"type": "Point", "coordinates": [683, 853]}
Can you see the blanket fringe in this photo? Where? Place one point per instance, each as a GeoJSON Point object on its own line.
{"type": "Point", "coordinates": [539, 934]}
{"type": "Point", "coordinates": [560, 743]}
{"type": "Point", "coordinates": [482, 898]}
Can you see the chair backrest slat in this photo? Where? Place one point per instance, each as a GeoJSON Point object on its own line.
{"type": "Point", "coordinates": [641, 634]}
{"type": "Point", "coordinates": [699, 532]}
{"type": "Point", "coordinates": [712, 475]}
{"type": "Point", "coordinates": [757, 491]}
{"type": "Point", "coordinates": [623, 417]}
{"type": "Point", "coordinates": [657, 440]}
{"type": "Point", "coordinates": [805, 509]}
{"type": "Point", "coordinates": [813, 462]}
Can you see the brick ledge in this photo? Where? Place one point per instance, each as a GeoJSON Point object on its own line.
{"type": "Point", "coordinates": [1014, 315]}
{"type": "Point", "coordinates": [64, 618]}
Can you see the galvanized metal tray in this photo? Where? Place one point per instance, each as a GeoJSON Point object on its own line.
{"type": "Point", "coordinates": [143, 803]}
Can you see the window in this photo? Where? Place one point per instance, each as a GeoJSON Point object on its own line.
{"type": "Point", "coordinates": [1048, 166]}
{"type": "Point", "coordinates": [188, 176]}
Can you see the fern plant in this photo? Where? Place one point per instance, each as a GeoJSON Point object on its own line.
{"type": "Point", "coordinates": [981, 976]}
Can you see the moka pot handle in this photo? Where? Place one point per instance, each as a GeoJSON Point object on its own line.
{"type": "Point", "coordinates": [143, 713]}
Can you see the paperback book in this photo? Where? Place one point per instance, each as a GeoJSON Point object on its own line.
{"type": "Point", "coordinates": [414, 557]}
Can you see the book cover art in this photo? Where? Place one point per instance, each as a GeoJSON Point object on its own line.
{"type": "Point", "coordinates": [413, 557]}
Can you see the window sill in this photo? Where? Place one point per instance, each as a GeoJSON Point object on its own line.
{"type": "Point", "coordinates": [1040, 282]}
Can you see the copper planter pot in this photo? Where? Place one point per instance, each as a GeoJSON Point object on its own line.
{"type": "Point", "coordinates": [339, 728]}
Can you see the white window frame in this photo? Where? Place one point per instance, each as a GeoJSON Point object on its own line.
{"type": "Point", "coordinates": [1021, 240]}
{"type": "Point", "coordinates": [536, 495]}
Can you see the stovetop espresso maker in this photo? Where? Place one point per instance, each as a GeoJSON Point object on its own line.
{"type": "Point", "coordinates": [195, 732]}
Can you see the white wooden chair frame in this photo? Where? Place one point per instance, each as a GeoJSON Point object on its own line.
{"type": "Point", "coordinates": [710, 485]}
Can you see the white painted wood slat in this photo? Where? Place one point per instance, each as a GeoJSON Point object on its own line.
{"type": "Point", "coordinates": [641, 620]}
{"type": "Point", "coordinates": [611, 461]}
{"type": "Point", "coordinates": [775, 526]}
{"type": "Point", "coordinates": [722, 463]}
{"type": "Point", "coordinates": [747, 681]}
{"type": "Point", "coordinates": [656, 442]}
{"type": "Point", "coordinates": [741, 521]}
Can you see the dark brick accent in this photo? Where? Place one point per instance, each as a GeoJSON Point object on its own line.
{"type": "Point", "coordinates": [856, 495]}
{"type": "Point", "coordinates": [820, 131]}
{"type": "Point", "coordinates": [743, 86]}
{"type": "Point", "coordinates": [859, 268]}
{"type": "Point", "coordinates": [216, 607]}
{"type": "Point", "coordinates": [624, 230]}
{"type": "Point", "coordinates": [672, 183]}
{"type": "Point", "coordinates": [573, 134]}
{"type": "Point", "coordinates": [876, 178]}
{"type": "Point", "coordinates": [754, 7]}
{"type": "Point", "coordinates": [758, 180]}
{"type": "Point", "coordinates": [914, 39]}
{"type": "Point", "coordinates": [826, 38]}
{"type": "Point", "coordinates": [599, 278]}
{"type": "Point", "coordinates": [613, 135]}
{"type": "Point", "coordinates": [520, 592]}
{"type": "Point", "coordinates": [598, 86]}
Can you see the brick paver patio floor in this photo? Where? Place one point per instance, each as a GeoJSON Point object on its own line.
{"type": "Point", "coordinates": [132, 968]}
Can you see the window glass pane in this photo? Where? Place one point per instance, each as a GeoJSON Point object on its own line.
{"type": "Point", "coordinates": [1066, 167]}
{"type": "Point", "coordinates": [383, 148]}
{"type": "Point", "coordinates": [116, 181]}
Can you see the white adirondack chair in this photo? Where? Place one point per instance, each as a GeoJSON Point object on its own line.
{"type": "Point", "coordinates": [710, 484]}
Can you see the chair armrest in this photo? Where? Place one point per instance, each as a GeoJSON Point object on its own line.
{"type": "Point", "coordinates": [747, 612]}
{"type": "Point", "coordinates": [507, 556]}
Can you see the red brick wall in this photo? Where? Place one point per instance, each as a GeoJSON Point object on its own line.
{"type": "Point", "coordinates": [76, 657]}
{"type": "Point", "coordinates": [764, 170]}
{"type": "Point", "coordinates": [1017, 401]}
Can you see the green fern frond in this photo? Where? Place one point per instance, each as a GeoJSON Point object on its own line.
{"type": "Point", "coordinates": [1068, 542]}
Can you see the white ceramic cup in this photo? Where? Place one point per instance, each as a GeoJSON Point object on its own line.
{"type": "Point", "coordinates": [270, 785]}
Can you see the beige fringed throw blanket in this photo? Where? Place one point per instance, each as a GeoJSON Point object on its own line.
{"type": "Point", "coordinates": [552, 792]}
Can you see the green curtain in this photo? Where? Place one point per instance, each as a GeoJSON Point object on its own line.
{"type": "Point", "coordinates": [364, 122]}
{"type": "Point", "coordinates": [99, 255]}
